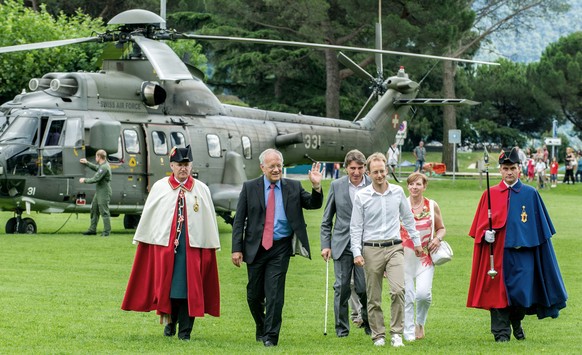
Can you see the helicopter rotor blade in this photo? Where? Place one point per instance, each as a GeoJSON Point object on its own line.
{"type": "Point", "coordinates": [165, 61]}
{"type": "Point", "coordinates": [367, 105]}
{"type": "Point", "coordinates": [358, 70]}
{"type": "Point", "coordinates": [379, 64]}
{"type": "Point", "coordinates": [48, 44]}
{"type": "Point", "coordinates": [327, 46]}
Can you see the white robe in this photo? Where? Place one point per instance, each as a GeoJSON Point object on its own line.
{"type": "Point", "coordinates": [158, 213]}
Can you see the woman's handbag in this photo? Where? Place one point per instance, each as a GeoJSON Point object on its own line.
{"type": "Point", "coordinates": [444, 253]}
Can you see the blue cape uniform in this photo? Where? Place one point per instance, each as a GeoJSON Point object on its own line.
{"type": "Point", "coordinates": [528, 272]}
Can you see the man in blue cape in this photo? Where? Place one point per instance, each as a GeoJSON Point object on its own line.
{"type": "Point", "coordinates": [528, 279]}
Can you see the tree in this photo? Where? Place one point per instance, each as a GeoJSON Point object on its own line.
{"type": "Point", "coordinates": [558, 78]}
{"type": "Point", "coordinates": [22, 25]}
{"type": "Point", "coordinates": [296, 77]}
{"type": "Point", "coordinates": [491, 17]}
{"type": "Point", "coordinates": [508, 105]}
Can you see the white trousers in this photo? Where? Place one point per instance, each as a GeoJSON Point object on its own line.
{"type": "Point", "coordinates": [417, 289]}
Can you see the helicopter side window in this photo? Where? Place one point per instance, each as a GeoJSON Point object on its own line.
{"type": "Point", "coordinates": [177, 140]}
{"type": "Point", "coordinates": [246, 146]}
{"type": "Point", "coordinates": [160, 146]}
{"type": "Point", "coordinates": [131, 141]}
{"type": "Point", "coordinates": [53, 136]}
{"type": "Point", "coordinates": [73, 132]}
{"type": "Point", "coordinates": [213, 143]}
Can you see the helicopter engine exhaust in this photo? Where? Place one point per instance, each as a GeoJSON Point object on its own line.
{"type": "Point", "coordinates": [152, 94]}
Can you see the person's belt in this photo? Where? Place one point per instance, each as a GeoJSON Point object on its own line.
{"type": "Point", "coordinates": [382, 244]}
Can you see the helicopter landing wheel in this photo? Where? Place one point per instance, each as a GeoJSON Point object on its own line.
{"type": "Point", "coordinates": [27, 226]}
{"type": "Point", "coordinates": [11, 226]}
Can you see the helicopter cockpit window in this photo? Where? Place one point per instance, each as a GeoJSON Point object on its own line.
{"type": "Point", "coordinates": [160, 146]}
{"type": "Point", "coordinates": [53, 133]}
{"type": "Point", "coordinates": [246, 146]}
{"type": "Point", "coordinates": [73, 132]}
{"type": "Point", "coordinates": [213, 143]}
{"type": "Point", "coordinates": [22, 130]}
{"type": "Point", "coordinates": [177, 140]}
{"type": "Point", "coordinates": [131, 141]}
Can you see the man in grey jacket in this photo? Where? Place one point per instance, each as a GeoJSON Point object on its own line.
{"type": "Point", "coordinates": [336, 244]}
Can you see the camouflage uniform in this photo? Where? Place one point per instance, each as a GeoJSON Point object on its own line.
{"type": "Point", "coordinates": [100, 203]}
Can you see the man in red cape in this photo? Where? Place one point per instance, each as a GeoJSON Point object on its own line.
{"type": "Point", "coordinates": [528, 279]}
{"type": "Point", "coordinates": [175, 270]}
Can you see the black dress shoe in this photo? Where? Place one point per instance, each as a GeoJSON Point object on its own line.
{"type": "Point", "coordinates": [269, 343]}
{"type": "Point", "coordinates": [518, 333]}
{"type": "Point", "coordinates": [368, 330]}
{"type": "Point", "coordinates": [89, 233]}
{"type": "Point", "coordinates": [105, 234]}
{"type": "Point", "coordinates": [170, 329]}
{"type": "Point", "coordinates": [501, 339]}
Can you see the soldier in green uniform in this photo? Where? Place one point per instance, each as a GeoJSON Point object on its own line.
{"type": "Point", "coordinates": [100, 204]}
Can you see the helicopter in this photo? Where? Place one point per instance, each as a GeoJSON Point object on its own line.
{"type": "Point", "coordinates": [139, 107]}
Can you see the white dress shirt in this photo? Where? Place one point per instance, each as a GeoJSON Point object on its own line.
{"type": "Point", "coordinates": [376, 217]}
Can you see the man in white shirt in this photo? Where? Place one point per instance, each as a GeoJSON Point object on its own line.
{"type": "Point", "coordinates": [393, 154]}
{"type": "Point", "coordinates": [378, 211]}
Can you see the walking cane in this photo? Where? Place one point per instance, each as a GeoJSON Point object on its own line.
{"type": "Point", "coordinates": [492, 272]}
{"type": "Point", "coordinates": [326, 296]}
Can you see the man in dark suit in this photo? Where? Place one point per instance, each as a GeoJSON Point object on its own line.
{"type": "Point", "coordinates": [265, 237]}
{"type": "Point", "coordinates": [337, 244]}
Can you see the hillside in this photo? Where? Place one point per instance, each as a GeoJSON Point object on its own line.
{"type": "Point", "coordinates": [527, 45]}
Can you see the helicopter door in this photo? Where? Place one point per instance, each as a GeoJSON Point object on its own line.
{"type": "Point", "coordinates": [52, 145]}
{"type": "Point", "coordinates": [159, 141]}
{"type": "Point", "coordinates": [72, 142]}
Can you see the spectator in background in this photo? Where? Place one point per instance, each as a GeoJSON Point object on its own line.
{"type": "Point", "coordinates": [570, 163]}
{"type": "Point", "coordinates": [546, 154]}
{"type": "Point", "coordinates": [393, 155]}
{"type": "Point", "coordinates": [523, 159]}
{"type": "Point", "coordinates": [531, 169]}
{"type": "Point", "coordinates": [540, 172]}
{"type": "Point", "coordinates": [554, 172]}
{"type": "Point", "coordinates": [329, 170]}
{"type": "Point", "coordinates": [420, 155]}
{"type": "Point", "coordinates": [579, 168]}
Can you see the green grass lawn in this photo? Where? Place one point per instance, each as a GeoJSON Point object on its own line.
{"type": "Point", "coordinates": [61, 293]}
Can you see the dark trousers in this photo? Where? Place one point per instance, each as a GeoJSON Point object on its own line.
{"type": "Point", "coordinates": [266, 288]}
{"type": "Point", "coordinates": [181, 317]}
{"type": "Point", "coordinates": [343, 269]}
{"type": "Point", "coordinates": [503, 319]}
{"type": "Point", "coordinates": [569, 176]}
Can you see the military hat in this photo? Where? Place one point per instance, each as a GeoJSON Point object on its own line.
{"type": "Point", "coordinates": [181, 155]}
{"type": "Point", "coordinates": [509, 156]}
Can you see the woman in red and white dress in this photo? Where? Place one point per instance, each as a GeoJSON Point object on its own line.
{"type": "Point", "coordinates": [419, 272]}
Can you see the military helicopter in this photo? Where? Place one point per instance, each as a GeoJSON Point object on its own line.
{"type": "Point", "coordinates": [139, 107]}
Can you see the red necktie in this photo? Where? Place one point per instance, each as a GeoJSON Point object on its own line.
{"type": "Point", "coordinates": [269, 220]}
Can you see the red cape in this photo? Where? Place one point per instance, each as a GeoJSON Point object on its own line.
{"type": "Point", "coordinates": [150, 281]}
{"type": "Point", "coordinates": [485, 292]}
